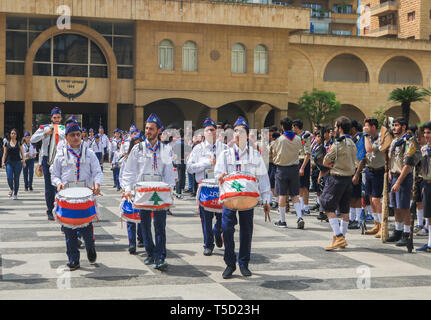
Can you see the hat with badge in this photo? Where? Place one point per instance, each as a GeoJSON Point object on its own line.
{"type": "Point", "coordinates": [209, 122]}
{"type": "Point", "coordinates": [155, 119]}
{"type": "Point", "coordinates": [241, 122]}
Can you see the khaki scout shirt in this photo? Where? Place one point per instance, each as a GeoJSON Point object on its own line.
{"type": "Point", "coordinates": [402, 155]}
{"type": "Point", "coordinates": [306, 145]}
{"type": "Point", "coordinates": [285, 152]}
{"type": "Point", "coordinates": [426, 163]}
{"type": "Point", "coordinates": [343, 155]}
{"type": "Point", "coordinates": [376, 158]}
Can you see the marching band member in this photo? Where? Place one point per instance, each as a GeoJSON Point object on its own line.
{"type": "Point", "coordinates": [69, 166]}
{"type": "Point", "coordinates": [85, 140]}
{"type": "Point", "coordinates": [241, 157]}
{"type": "Point", "coordinates": [104, 140]}
{"type": "Point", "coordinates": [201, 163]}
{"type": "Point", "coordinates": [126, 142]}
{"type": "Point", "coordinates": [44, 133]}
{"type": "Point", "coordinates": [374, 173]}
{"type": "Point", "coordinates": [304, 164]}
{"type": "Point", "coordinates": [402, 153]}
{"type": "Point", "coordinates": [91, 135]}
{"type": "Point", "coordinates": [337, 192]}
{"type": "Point", "coordinates": [151, 159]}
{"type": "Point", "coordinates": [426, 175]}
{"type": "Point", "coordinates": [97, 148]}
{"type": "Point", "coordinates": [285, 154]}
{"type": "Point", "coordinates": [29, 156]}
{"type": "Point", "coordinates": [112, 147]}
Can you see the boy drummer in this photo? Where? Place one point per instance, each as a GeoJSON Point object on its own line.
{"type": "Point", "coordinates": [77, 163]}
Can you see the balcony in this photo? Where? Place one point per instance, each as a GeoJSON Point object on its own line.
{"type": "Point", "coordinates": [345, 18]}
{"type": "Point", "coordinates": [385, 31]}
{"type": "Point", "coordinates": [384, 8]}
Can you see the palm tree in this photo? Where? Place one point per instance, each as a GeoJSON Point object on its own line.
{"type": "Point", "coordinates": [406, 96]}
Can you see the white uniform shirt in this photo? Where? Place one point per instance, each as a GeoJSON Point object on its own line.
{"type": "Point", "coordinates": [116, 157]}
{"type": "Point", "coordinates": [63, 170]}
{"type": "Point", "coordinates": [96, 146]}
{"type": "Point", "coordinates": [140, 162]}
{"type": "Point", "coordinates": [251, 162]}
{"type": "Point", "coordinates": [113, 145]}
{"type": "Point", "coordinates": [38, 135]}
{"type": "Point", "coordinates": [104, 140]}
{"type": "Point", "coordinates": [125, 145]}
{"type": "Point", "coordinates": [200, 158]}
{"type": "Point", "coordinates": [86, 143]}
{"type": "Point", "coordinates": [30, 149]}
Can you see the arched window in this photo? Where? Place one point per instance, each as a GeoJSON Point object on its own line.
{"type": "Point", "coordinates": [260, 60]}
{"type": "Point", "coordinates": [166, 55]}
{"type": "Point", "coordinates": [190, 56]}
{"type": "Point", "coordinates": [238, 58]}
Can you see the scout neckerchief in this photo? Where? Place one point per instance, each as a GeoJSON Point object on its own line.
{"type": "Point", "coordinates": [236, 149]}
{"type": "Point", "coordinates": [289, 135]}
{"type": "Point", "coordinates": [154, 150]}
{"type": "Point", "coordinates": [78, 160]}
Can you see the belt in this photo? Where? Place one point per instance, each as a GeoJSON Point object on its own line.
{"type": "Point", "coordinates": [375, 169]}
{"type": "Point", "coordinates": [340, 176]}
{"type": "Point", "coordinates": [395, 174]}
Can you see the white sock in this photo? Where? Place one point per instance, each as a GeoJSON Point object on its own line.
{"type": "Point", "coordinates": [369, 211]}
{"type": "Point", "coordinates": [427, 223]}
{"type": "Point", "coordinates": [429, 239]}
{"type": "Point", "coordinates": [301, 202]}
{"type": "Point", "coordinates": [318, 200]}
{"type": "Point", "coordinates": [297, 206]}
{"type": "Point", "coordinates": [344, 225]}
{"type": "Point", "coordinates": [358, 213]}
{"type": "Point", "coordinates": [282, 211]}
{"type": "Point", "coordinates": [306, 207]}
{"type": "Point", "coordinates": [378, 217]}
{"type": "Point", "coordinates": [352, 214]}
{"type": "Point", "coordinates": [406, 228]}
{"type": "Point", "coordinates": [335, 225]}
{"type": "Point", "coordinates": [420, 214]}
{"type": "Point", "coordinates": [399, 226]}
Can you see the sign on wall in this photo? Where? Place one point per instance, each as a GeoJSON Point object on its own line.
{"type": "Point", "coordinates": [69, 88]}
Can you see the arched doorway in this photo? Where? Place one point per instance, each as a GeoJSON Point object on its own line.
{"type": "Point", "coordinates": [229, 113]}
{"type": "Point", "coordinates": [400, 70]}
{"type": "Point", "coordinates": [352, 112]}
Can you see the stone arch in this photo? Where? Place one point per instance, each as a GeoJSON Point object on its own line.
{"type": "Point", "coordinates": [352, 112]}
{"type": "Point", "coordinates": [100, 41]}
{"type": "Point", "coordinates": [400, 69]}
{"type": "Point", "coordinates": [356, 71]}
{"type": "Point", "coordinates": [229, 112]}
{"type": "Point", "coordinates": [395, 111]}
{"type": "Point", "coordinates": [300, 63]}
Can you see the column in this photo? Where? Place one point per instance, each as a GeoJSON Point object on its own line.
{"type": "Point", "coordinates": [112, 116]}
{"type": "Point", "coordinates": [278, 115]}
{"type": "Point", "coordinates": [213, 114]}
{"type": "Point", "coordinates": [138, 117]}
{"type": "Point", "coordinates": [1, 119]}
{"type": "Point", "coordinates": [251, 118]}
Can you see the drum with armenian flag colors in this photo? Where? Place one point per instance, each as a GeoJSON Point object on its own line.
{"type": "Point", "coordinates": [239, 191]}
{"type": "Point", "coordinates": [208, 195]}
{"type": "Point", "coordinates": [153, 195]}
{"type": "Point", "coordinates": [75, 207]}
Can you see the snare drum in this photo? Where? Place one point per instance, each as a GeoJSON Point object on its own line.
{"type": "Point", "coordinates": [75, 207]}
{"type": "Point", "coordinates": [239, 191]}
{"type": "Point", "coordinates": [128, 213]}
{"type": "Point", "coordinates": [153, 195]}
{"type": "Point", "coordinates": [208, 195]}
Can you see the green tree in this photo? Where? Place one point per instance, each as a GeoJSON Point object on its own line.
{"type": "Point", "coordinates": [318, 106]}
{"type": "Point", "coordinates": [380, 115]}
{"type": "Point", "coordinates": [406, 96]}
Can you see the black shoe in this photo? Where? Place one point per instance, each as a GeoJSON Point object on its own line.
{"type": "Point", "coordinates": [315, 207]}
{"type": "Point", "coordinates": [160, 264]}
{"type": "Point", "coordinates": [280, 224]}
{"type": "Point", "coordinates": [404, 239]}
{"type": "Point", "coordinates": [31, 188]}
{"type": "Point", "coordinates": [219, 242]}
{"type": "Point", "coordinates": [26, 189]}
{"type": "Point", "coordinates": [79, 244]}
{"type": "Point", "coordinates": [148, 261]}
{"type": "Point", "coordinates": [140, 244]}
{"type": "Point", "coordinates": [300, 223]}
{"type": "Point", "coordinates": [50, 217]}
{"type": "Point", "coordinates": [227, 273]}
{"type": "Point", "coordinates": [391, 212]}
{"type": "Point", "coordinates": [245, 272]}
{"type": "Point", "coordinates": [354, 225]}
{"type": "Point", "coordinates": [395, 236]}
{"type": "Point", "coordinates": [91, 255]}
{"type": "Point", "coordinates": [274, 205]}
{"type": "Point", "coordinates": [322, 216]}
{"type": "Point", "coordinates": [132, 250]}
{"type": "Point", "coordinates": [73, 266]}
{"type": "Point", "coordinates": [208, 252]}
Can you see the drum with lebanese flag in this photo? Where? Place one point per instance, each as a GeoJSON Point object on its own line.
{"type": "Point", "coordinates": [129, 213]}
{"type": "Point", "coordinates": [153, 195]}
{"type": "Point", "coordinates": [208, 195]}
{"type": "Point", "coordinates": [239, 191]}
{"type": "Point", "coordinates": [75, 207]}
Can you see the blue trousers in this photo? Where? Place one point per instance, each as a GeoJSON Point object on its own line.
{"type": "Point", "coordinates": [191, 180]}
{"type": "Point", "coordinates": [131, 232]}
{"type": "Point", "coordinates": [207, 228]}
{"type": "Point", "coordinates": [28, 173]}
{"type": "Point", "coordinates": [157, 251]}
{"type": "Point", "coordinates": [49, 188]}
{"type": "Point", "coordinates": [99, 157]}
{"type": "Point", "coordinates": [71, 236]}
{"type": "Point", "coordinates": [116, 173]}
{"type": "Point", "coordinates": [229, 221]}
{"type": "Point", "coordinates": [13, 171]}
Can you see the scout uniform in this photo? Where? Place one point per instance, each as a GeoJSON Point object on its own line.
{"type": "Point", "coordinates": [285, 156]}
{"type": "Point", "coordinates": [68, 169]}
{"type": "Point", "coordinates": [29, 156]}
{"type": "Point", "coordinates": [199, 163]}
{"type": "Point", "coordinates": [304, 181]}
{"type": "Point", "coordinates": [44, 153]}
{"type": "Point", "coordinates": [338, 186]}
{"type": "Point", "coordinates": [251, 162]}
{"type": "Point", "coordinates": [97, 148]}
{"type": "Point", "coordinates": [145, 160]}
{"type": "Point", "coordinates": [426, 176]}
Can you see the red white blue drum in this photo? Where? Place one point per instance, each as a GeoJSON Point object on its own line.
{"type": "Point", "coordinates": [208, 195]}
{"type": "Point", "coordinates": [75, 207]}
{"type": "Point", "coordinates": [129, 213]}
{"type": "Point", "coordinates": [239, 191]}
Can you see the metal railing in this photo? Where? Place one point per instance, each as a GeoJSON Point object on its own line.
{"type": "Point", "coordinates": [389, 27]}
{"type": "Point", "coordinates": [384, 4]}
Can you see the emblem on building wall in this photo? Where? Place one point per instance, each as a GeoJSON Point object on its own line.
{"type": "Point", "coordinates": [70, 89]}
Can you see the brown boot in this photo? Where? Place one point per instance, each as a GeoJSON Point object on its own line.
{"type": "Point", "coordinates": [375, 229]}
{"type": "Point", "coordinates": [337, 242]}
{"type": "Point", "coordinates": [379, 233]}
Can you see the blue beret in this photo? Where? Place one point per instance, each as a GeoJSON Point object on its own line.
{"type": "Point", "coordinates": [209, 122]}
{"type": "Point", "coordinates": [241, 122]}
{"type": "Point", "coordinates": [55, 110]}
{"type": "Point", "coordinates": [73, 126]}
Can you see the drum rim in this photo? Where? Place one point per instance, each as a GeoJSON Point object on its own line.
{"type": "Point", "coordinates": [62, 195]}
